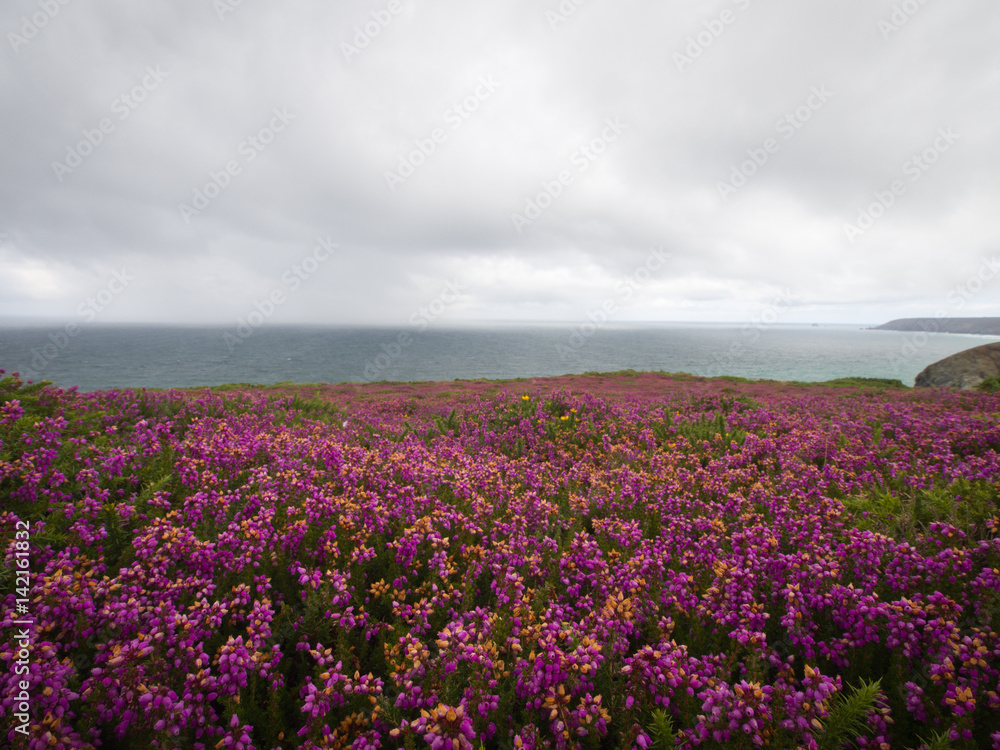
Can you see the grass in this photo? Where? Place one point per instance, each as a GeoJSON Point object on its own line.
{"type": "Point", "coordinates": [848, 382]}
{"type": "Point", "coordinates": [989, 385]}
{"type": "Point", "coordinates": [971, 506]}
{"type": "Point", "coordinates": [857, 382]}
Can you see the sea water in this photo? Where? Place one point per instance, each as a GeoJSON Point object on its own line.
{"type": "Point", "coordinates": [132, 356]}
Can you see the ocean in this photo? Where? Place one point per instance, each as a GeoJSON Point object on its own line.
{"type": "Point", "coordinates": [136, 356]}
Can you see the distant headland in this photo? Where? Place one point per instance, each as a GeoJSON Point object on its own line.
{"type": "Point", "coordinates": [983, 326]}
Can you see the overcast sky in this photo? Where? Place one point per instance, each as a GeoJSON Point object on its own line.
{"type": "Point", "coordinates": [184, 160]}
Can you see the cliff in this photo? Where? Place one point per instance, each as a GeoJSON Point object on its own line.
{"type": "Point", "coordinates": [986, 326]}
{"type": "Point", "coordinates": [964, 370]}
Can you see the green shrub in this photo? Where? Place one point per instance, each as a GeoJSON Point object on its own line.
{"type": "Point", "coordinates": [990, 385]}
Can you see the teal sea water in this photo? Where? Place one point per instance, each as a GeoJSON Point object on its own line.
{"type": "Point", "coordinates": [104, 357]}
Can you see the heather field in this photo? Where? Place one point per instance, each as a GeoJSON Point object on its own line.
{"type": "Point", "coordinates": [620, 561]}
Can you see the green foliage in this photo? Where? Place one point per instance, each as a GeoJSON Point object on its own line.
{"type": "Point", "coordinates": [661, 730]}
{"type": "Point", "coordinates": [228, 387]}
{"type": "Point", "coordinates": [35, 398]}
{"type": "Point", "coordinates": [710, 429]}
{"type": "Point", "coordinates": [316, 409]}
{"type": "Point", "coordinates": [449, 424]}
{"type": "Point", "coordinates": [990, 384]}
{"type": "Point", "coordinates": [938, 741]}
{"type": "Point", "coordinates": [858, 382]}
{"type": "Point", "coordinates": [157, 408]}
{"type": "Point", "coordinates": [967, 504]}
{"type": "Point", "coordinates": [848, 712]}
{"type": "Point", "coordinates": [634, 373]}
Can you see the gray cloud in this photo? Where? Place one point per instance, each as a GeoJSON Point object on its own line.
{"type": "Point", "coordinates": [143, 105]}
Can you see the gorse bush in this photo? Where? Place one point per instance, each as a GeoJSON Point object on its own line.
{"type": "Point", "coordinates": [684, 564]}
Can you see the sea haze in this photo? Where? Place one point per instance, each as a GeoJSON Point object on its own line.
{"type": "Point", "coordinates": [105, 357]}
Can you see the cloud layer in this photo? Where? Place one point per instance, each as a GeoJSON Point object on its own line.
{"type": "Point", "coordinates": [535, 153]}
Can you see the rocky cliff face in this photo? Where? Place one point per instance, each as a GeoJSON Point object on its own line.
{"type": "Point", "coordinates": [964, 370]}
{"type": "Point", "coordinates": [986, 326]}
